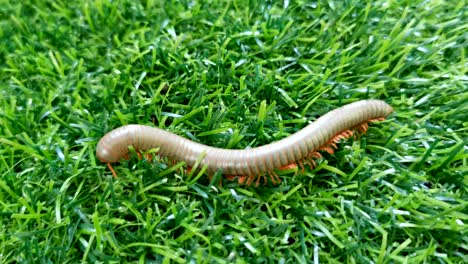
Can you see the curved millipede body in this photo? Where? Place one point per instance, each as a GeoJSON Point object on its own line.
{"type": "Point", "coordinates": [247, 164]}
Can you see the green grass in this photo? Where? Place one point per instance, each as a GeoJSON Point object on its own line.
{"type": "Point", "coordinates": [232, 74]}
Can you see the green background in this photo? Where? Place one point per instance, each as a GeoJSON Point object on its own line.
{"type": "Point", "coordinates": [232, 74]}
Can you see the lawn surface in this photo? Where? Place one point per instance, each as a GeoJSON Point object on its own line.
{"type": "Point", "coordinates": [232, 74]}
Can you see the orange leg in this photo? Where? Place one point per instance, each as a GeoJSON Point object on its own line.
{"type": "Point", "coordinates": [139, 154]}
{"type": "Point", "coordinates": [311, 162]}
{"type": "Point", "coordinates": [377, 119]}
{"type": "Point", "coordinates": [265, 179]}
{"type": "Point", "coordinates": [112, 170]}
{"type": "Point", "coordinates": [229, 177]}
{"type": "Point", "coordinates": [316, 155]}
{"type": "Point", "coordinates": [242, 179]}
{"type": "Point", "coordinates": [348, 133]}
{"type": "Point", "coordinates": [362, 128]}
{"type": "Point", "coordinates": [278, 180]}
{"type": "Point", "coordinates": [271, 177]}
{"type": "Point", "coordinates": [327, 149]}
{"type": "Point", "coordinates": [366, 127]}
{"type": "Point", "coordinates": [275, 179]}
{"type": "Point", "coordinates": [249, 180]}
{"type": "Point", "coordinates": [288, 166]}
{"type": "Point", "coordinates": [301, 165]}
{"type": "Point", "coordinates": [149, 157]}
{"type": "Point", "coordinates": [258, 181]}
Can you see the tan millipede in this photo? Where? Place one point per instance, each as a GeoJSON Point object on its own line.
{"type": "Point", "coordinates": [248, 165]}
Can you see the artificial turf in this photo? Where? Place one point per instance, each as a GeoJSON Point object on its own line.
{"type": "Point", "coordinates": [232, 74]}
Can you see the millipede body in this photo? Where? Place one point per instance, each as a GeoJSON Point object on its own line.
{"type": "Point", "coordinates": [247, 164]}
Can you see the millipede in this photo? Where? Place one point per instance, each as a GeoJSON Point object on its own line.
{"type": "Point", "coordinates": [253, 164]}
